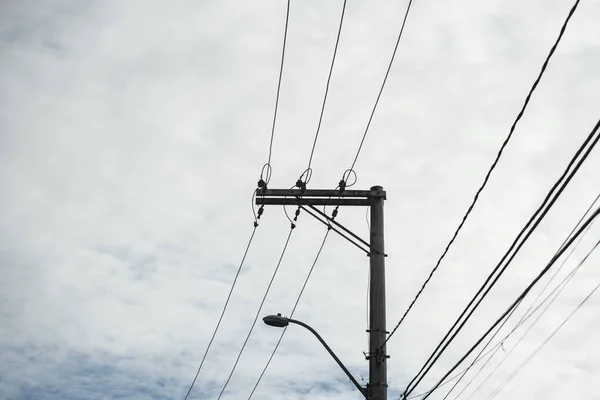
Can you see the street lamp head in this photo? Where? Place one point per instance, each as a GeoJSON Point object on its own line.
{"type": "Point", "coordinates": [276, 320]}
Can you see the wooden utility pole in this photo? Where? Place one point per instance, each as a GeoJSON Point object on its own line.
{"type": "Point", "coordinates": [374, 198]}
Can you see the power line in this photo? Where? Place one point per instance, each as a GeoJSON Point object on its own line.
{"type": "Point", "coordinates": [237, 274]}
{"type": "Point", "coordinates": [537, 350]}
{"type": "Point", "coordinates": [480, 352]}
{"type": "Point", "coordinates": [546, 205]}
{"type": "Point", "coordinates": [291, 314]}
{"type": "Point", "coordinates": [560, 287]}
{"type": "Point", "coordinates": [532, 303]}
{"type": "Point", "coordinates": [493, 166]}
{"type": "Point", "coordinates": [308, 171]}
{"type": "Point", "coordinates": [287, 241]}
{"type": "Point", "coordinates": [520, 297]}
{"type": "Point", "coordinates": [447, 381]}
{"type": "Point", "coordinates": [458, 377]}
{"type": "Point", "coordinates": [387, 73]}
{"type": "Point", "coordinates": [528, 314]}
{"type": "Point", "coordinates": [267, 166]}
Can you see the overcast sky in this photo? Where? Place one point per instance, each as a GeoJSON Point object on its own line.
{"type": "Point", "coordinates": [132, 134]}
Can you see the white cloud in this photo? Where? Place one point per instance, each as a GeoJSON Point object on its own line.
{"type": "Point", "coordinates": [132, 135]}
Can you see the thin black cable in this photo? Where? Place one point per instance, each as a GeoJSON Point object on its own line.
{"type": "Point", "coordinates": [519, 298]}
{"type": "Point", "coordinates": [537, 350]}
{"type": "Point", "coordinates": [558, 290]}
{"type": "Point", "coordinates": [560, 287]}
{"type": "Point", "coordinates": [528, 314]}
{"type": "Point", "coordinates": [534, 322]}
{"type": "Point", "coordinates": [287, 18]}
{"type": "Point", "coordinates": [532, 303]}
{"type": "Point", "coordinates": [223, 311]}
{"type": "Point", "coordinates": [591, 206]}
{"type": "Point", "coordinates": [291, 314]}
{"type": "Point", "coordinates": [337, 41]}
{"type": "Point", "coordinates": [433, 358]}
{"type": "Point", "coordinates": [543, 209]}
{"type": "Point", "coordinates": [480, 352]}
{"type": "Point", "coordinates": [287, 241]}
{"type": "Point", "coordinates": [387, 73]}
{"type": "Point", "coordinates": [487, 176]}
{"type": "Point", "coordinates": [555, 293]}
{"type": "Point", "coordinates": [447, 381]}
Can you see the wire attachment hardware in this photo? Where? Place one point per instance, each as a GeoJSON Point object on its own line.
{"type": "Point", "coordinates": [262, 185]}
{"type": "Point", "coordinates": [260, 212]}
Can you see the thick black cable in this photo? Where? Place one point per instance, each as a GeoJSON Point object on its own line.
{"type": "Point", "coordinates": [499, 345]}
{"type": "Point", "coordinates": [387, 73]}
{"type": "Point", "coordinates": [489, 173]}
{"type": "Point", "coordinates": [337, 41]}
{"type": "Point", "coordinates": [291, 314]}
{"type": "Point", "coordinates": [287, 241]}
{"type": "Point", "coordinates": [543, 209]}
{"type": "Point", "coordinates": [528, 314]}
{"type": "Point", "coordinates": [561, 285]}
{"type": "Point", "coordinates": [530, 306]}
{"type": "Point", "coordinates": [268, 165]}
{"type": "Point", "coordinates": [555, 293]}
{"type": "Point", "coordinates": [480, 352]}
{"type": "Point", "coordinates": [429, 363]}
{"type": "Point", "coordinates": [449, 380]}
{"type": "Point", "coordinates": [519, 298]}
{"type": "Point", "coordinates": [541, 346]}
{"type": "Point", "coordinates": [237, 274]}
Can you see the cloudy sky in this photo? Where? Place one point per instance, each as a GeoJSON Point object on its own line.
{"type": "Point", "coordinates": [132, 134]}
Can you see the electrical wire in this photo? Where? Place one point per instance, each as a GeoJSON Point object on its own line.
{"type": "Point", "coordinates": [567, 279]}
{"type": "Point", "coordinates": [520, 297]}
{"type": "Point", "coordinates": [268, 164]}
{"type": "Point", "coordinates": [237, 274]}
{"type": "Point", "coordinates": [528, 314]}
{"type": "Point", "coordinates": [308, 170]}
{"type": "Point", "coordinates": [546, 205]}
{"type": "Point", "coordinates": [532, 303]}
{"type": "Point", "coordinates": [447, 381]}
{"type": "Point", "coordinates": [480, 352]}
{"type": "Point", "coordinates": [555, 293]}
{"type": "Point", "coordinates": [291, 314]}
{"type": "Point", "coordinates": [541, 346]}
{"type": "Point", "coordinates": [387, 73]}
{"type": "Point", "coordinates": [489, 173]}
{"type": "Point", "coordinates": [287, 241]}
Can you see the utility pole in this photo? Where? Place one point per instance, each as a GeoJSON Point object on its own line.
{"type": "Point", "coordinates": [308, 199]}
{"type": "Point", "coordinates": [377, 389]}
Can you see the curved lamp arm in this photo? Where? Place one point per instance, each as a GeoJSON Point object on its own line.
{"type": "Point", "coordinates": [279, 321]}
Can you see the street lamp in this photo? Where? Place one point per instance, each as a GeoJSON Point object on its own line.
{"type": "Point", "coordinates": [281, 322]}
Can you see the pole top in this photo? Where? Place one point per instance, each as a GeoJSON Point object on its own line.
{"type": "Point", "coordinates": [377, 192]}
